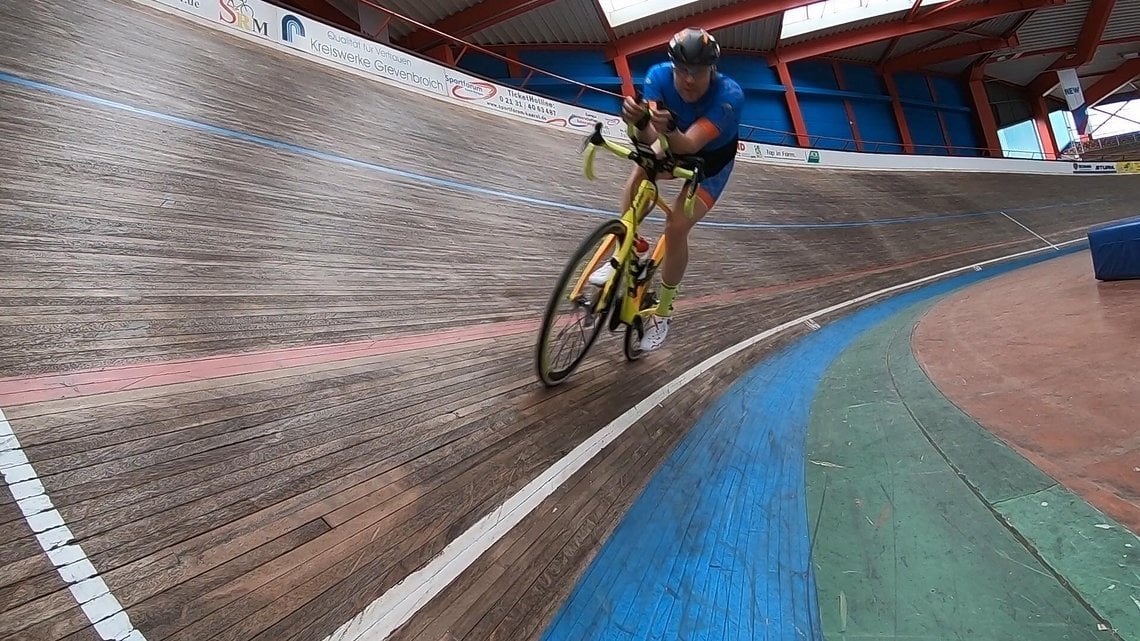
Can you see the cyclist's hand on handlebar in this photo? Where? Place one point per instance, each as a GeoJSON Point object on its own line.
{"type": "Point", "coordinates": [633, 111]}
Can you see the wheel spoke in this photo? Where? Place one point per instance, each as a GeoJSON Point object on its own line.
{"type": "Point", "coordinates": [560, 347]}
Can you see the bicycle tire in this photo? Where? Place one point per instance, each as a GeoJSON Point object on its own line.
{"type": "Point", "coordinates": [633, 335]}
{"type": "Point", "coordinates": [584, 252]}
{"type": "Point", "coordinates": [635, 332]}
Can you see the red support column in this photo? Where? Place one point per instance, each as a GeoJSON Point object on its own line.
{"type": "Point", "coordinates": [847, 105]}
{"type": "Point", "coordinates": [444, 54]}
{"type": "Point", "coordinates": [1044, 128]}
{"type": "Point", "coordinates": [985, 112]}
{"type": "Point", "coordinates": [900, 115]}
{"type": "Point", "coordinates": [621, 64]}
{"type": "Point", "coordinates": [941, 119]}
{"type": "Point", "coordinates": [793, 105]}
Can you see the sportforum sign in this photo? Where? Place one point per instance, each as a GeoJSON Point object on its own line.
{"type": "Point", "coordinates": [285, 31]}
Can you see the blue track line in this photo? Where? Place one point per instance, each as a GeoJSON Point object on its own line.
{"type": "Point", "coordinates": [717, 547]}
{"type": "Point", "coordinates": [452, 184]}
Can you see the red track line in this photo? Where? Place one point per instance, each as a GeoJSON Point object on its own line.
{"type": "Point", "coordinates": [48, 387]}
{"type": "Point", "coordinates": [51, 387]}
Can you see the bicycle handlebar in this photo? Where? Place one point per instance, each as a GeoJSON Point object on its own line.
{"type": "Point", "coordinates": [647, 159]}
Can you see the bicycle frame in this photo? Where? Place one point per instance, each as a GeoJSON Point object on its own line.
{"type": "Point", "coordinates": [644, 198]}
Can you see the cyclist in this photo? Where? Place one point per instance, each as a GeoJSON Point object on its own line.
{"type": "Point", "coordinates": [698, 110]}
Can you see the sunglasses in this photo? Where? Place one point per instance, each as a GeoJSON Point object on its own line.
{"type": "Point", "coordinates": [692, 71]}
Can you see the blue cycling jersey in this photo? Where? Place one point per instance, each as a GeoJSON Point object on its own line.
{"type": "Point", "coordinates": [721, 104]}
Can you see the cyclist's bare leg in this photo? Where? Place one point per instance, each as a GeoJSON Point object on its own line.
{"type": "Point", "coordinates": [635, 178]}
{"type": "Point", "coordinates": [600, 274]}
{"type": "Point", "coordinates": [677, 228]}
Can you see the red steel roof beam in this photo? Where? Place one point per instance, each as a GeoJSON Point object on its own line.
{"type": "Point", "coordinates": [913, 13]}
{"type": "Point", "coordinates": [1116, 79]}
{"type": "Point", "coordinates": [942, 7]}
{"type": "Point", "coordinates": [470, 20]}
{"type": "Point", "coordinates": [1092, 31]}
{"type": "Point", "coordinates": [1052, 51]}
{"type": "Point", "coordinates": [1043, 83]}
{"type": "Point", "coordinates": [883, 31]}
{"type": "Point", "coordinates": [919, 59]}
{"type": "Point", "coordinates": [719, 18]}
{"type": "Point", "coordinates": [610, 35]}
{"type": "Point", "coordinates": [1083, 53]}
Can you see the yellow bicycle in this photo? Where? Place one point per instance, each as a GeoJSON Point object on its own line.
{"type": "Point", "coordinates": [626, 305]}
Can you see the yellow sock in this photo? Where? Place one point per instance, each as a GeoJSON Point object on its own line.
{"type": "Point", "coordinates": [665, 304]}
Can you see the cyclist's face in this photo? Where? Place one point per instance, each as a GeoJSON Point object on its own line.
{"type": "Point", "coordinates": [692, 81]}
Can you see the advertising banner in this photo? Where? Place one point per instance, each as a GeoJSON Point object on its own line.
{"type": "Point", "coordinates": [287, 31]}
{"type": "Point", "coordinates": [1075, 98]}
{"type": "Point", "coordinates": [1094, 168]}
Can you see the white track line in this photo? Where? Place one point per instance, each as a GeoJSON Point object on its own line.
{"type": "Point", "coordinates": [396, 606]}
{"type": "Point", "coordinates": [1018, 223]}
{"type": "Point", "coordinates": [94, 597]}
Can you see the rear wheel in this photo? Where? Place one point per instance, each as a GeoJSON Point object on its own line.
{"type": "Point", "coordinates": [632, 343]}
{"type": "Point", "coordinates": [634, 332]}
{"type": "Point", "coordinates": [578, 303]}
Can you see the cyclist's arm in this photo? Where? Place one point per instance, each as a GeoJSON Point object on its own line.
{"type": "Point", "coordinates": [724, 116]}
{"type": "Point", "coordinates": [652, 96]}
{"type": "Point", "coordinates": [692, 139]}
{"type": "Point", "coordinates": [647, 135]}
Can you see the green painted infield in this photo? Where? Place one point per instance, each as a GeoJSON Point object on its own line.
{"type": "Point", "coordinates": [926, 526]}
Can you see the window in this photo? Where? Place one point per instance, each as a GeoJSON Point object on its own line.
{"type": "Point", "coordinates": [619, 12]}
{"type": "Point", "coordinates": [832, 13]}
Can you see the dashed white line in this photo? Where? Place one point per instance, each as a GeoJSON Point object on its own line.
{"type": "Point", "coordinates": [94, 597]}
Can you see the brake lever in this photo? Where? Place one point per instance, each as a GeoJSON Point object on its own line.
{"type": "Point", "coordinates": [594, 137]}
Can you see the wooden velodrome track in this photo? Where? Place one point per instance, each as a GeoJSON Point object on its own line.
{"type": "Point", "coordinates": [275, 497]}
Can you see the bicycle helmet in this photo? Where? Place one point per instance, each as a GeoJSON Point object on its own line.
{"type": "Point", "coordinates": [694, 46]}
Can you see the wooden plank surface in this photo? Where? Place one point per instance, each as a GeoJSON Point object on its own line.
{"type": "Point", "coordinates": [277, 504]}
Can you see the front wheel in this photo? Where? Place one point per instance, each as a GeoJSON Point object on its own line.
{"type": "Point", "coordinates": [554, 360]}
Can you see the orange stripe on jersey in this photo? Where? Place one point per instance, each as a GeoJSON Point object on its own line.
{"type": "Point", "coordinates": [706, 125]}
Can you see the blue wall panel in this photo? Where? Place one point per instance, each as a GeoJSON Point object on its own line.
{"type": "Point", "coordinates": [876, 118]}
{"type": "Point", "coordinates": [925, 130]}
{"type": "Point", "coordinates": [825, 115]}
{"type": "Point", "coordinates": [912, 86]}
{"type": "Point", "coordinates": [877, 127]}
{"type": "Point", "coordinates": [827, 118]}
{"type": "Point", "coordinates": [765, 118]}
{"type": "Point", "coordinates": [813, 74]}
{"type": "Point", "coordinates": [963, 133]}
{"type": "Point", "coordinates": [588, 67]}
{"type": "Point", "coordinates": [960, 125]}
{"type": "Point", "coordinates": [764, 105]}
{"type": "Point", "coordinates": [863, 80]}
{"type": "Point", "coordinates": [951, 93]}
{"type": "Point", "coordinates": [483, 65]}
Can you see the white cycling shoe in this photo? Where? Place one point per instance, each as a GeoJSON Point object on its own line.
{"type": "Point", "coordinates": [601, 274]}
{"type": "Point", "coordinates": [655, 330]}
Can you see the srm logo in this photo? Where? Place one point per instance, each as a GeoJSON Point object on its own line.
{"type": "Point", "coordinates": [240, 14]}
{"type": "Point", "coordinates": [291, 26]}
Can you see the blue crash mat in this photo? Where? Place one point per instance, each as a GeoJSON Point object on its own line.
{"type": "Point", "coordinates": [1115, 249]}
